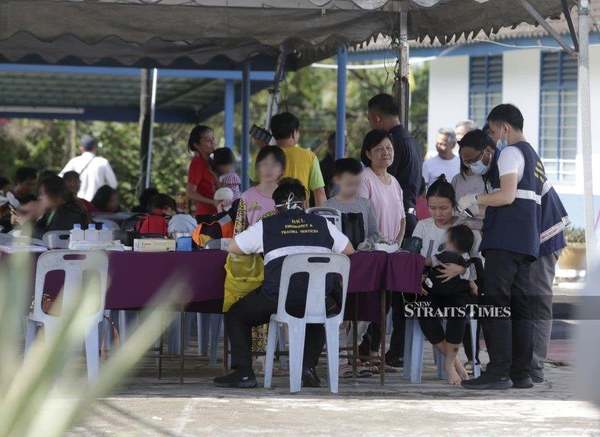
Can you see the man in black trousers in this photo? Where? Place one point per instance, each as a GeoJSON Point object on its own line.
{"type": "Point", "coordinates": [290, 231]}
{"type": "Point", "coordinates": [511, 242]}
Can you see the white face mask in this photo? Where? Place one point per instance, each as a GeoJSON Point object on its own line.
{"type": "Point", "coordinates": [479, 168]}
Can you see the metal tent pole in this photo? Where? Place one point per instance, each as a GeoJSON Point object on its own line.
{"type": "Point", "coordinates": [229, 112]}
{"type": "Point", "coordinates": [585, 129]}
{"type": "Point", "coordinates": [547, 27]}
{"type": "Point", "coordinates": [273, 105]}
{"type": "Point", "coordinates": [149, 79]}
{"type": "Point", "coordinates": [340, 128]}
{"type": "Point", "coordinates": [245, 143]}
{"type": "Point", "coordinates": [401, 85]}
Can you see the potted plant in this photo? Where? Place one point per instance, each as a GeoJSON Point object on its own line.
{"type": "Point", "coordinates": [573, 256]}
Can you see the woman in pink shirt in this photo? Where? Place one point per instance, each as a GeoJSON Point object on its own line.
{"type": "Point", "coordinates": [258, 201]}
{"type": "Point", "coordinates": [380, 187]}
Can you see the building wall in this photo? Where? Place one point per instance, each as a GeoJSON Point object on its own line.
{"type": "Point", "coordinates": [521, 87]}
{"type": "Point", "coordinates": [448, 95]}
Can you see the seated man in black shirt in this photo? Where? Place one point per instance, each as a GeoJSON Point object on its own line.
{"type": "Point", "coordinates": [274, 236]}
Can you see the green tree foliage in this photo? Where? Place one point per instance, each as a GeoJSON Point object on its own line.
{"type": "Point", "coordinates": [309, 93]}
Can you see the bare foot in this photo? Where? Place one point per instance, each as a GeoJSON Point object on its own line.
{"type": "Point", "coordinates": [453, 376]}
{"type": "Point", "coordinates": [460, 369]}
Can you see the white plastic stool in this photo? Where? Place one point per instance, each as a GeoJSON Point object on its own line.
{"type": "Point", "coordinates": [414, 341]}
{"type": "Point", "coordinates": [318, 266]}
{"type": "Point", "coordinates": [74, 264]}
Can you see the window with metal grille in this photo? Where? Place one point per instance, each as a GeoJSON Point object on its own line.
{"type": "Point", "coordinates": [485, 86]}
{"type": "Point", "coordinates": [558, 115]}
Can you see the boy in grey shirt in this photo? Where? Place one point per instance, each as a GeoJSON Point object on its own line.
{"type": "Point", "coordinates": [358, 220]}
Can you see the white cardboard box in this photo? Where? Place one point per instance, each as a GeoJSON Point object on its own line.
{"type": "Point", "coordinates": [153, 245]}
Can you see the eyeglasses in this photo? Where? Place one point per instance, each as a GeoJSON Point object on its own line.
{"type": "Point", "coordinates": [471, 161]}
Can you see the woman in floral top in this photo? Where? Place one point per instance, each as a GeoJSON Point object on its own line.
{"type": "Point", "coordinates": [256, 203]}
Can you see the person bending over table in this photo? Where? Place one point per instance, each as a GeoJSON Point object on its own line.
{"type": "Point", "coordinates": [275, 237]}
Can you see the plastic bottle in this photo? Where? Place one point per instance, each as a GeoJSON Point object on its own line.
{"type": "Point", "coordinates": [106, 234]}
{"type": "Point", "coordinates": [92, 234]}
{"type": "Point", "coordinates": [76, 234]}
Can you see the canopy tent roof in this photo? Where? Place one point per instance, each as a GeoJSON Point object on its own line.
{"type": "Point", "coordinates": [113, 94]}
{"type": "Point", "coordinates": [224, 33]}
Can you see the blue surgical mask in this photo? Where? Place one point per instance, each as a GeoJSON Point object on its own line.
{"type": "Point", "coordinates": [501, 144]}
{"type": "Point", "coordinates": [479, 168]}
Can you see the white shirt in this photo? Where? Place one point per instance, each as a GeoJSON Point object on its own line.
{"type": "Point", "coordinates": [251, 240]}
{"type": "Point", "coordinates": [94, 172]}
{"type": "Point", "coordinates": [436, 166]}
{"type": "Point", "coordinates": [511, 161]}
{"type": "Point", "coordinates": [434, 237]}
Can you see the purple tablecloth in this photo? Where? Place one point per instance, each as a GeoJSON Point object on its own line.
{"type": "Point", "coordinates": [403, 272]}
{"type": "Point", "coordinates": [136, 277]}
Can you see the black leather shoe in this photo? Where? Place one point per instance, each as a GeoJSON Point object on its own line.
{"type": "Point", "coordinates": [523, 382]}
{"type": "Point", "coordinates": [537, 379]}
{"type": "Point", "coordinates": [310, 378]}
{"type": "Point", "coordinates": [236, 379]}
{"type": "Point", "coordinates": [393, 361]}
{"type": "Point", "coordinates": [487, 382]}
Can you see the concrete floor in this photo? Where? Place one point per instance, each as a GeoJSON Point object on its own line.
{"type": "Point", "coordinates": [148, 407]}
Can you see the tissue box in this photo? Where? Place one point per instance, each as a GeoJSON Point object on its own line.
{"type": "Point", "coordinates": [153, 245]}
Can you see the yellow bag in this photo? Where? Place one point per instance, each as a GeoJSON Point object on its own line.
{"type": "Point", "coordinates": [243, 274]}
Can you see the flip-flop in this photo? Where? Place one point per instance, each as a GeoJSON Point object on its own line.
{"type": "Point", "coordinates": [347, 373]}
{"type": "Point", "coordinates": [363, 372]}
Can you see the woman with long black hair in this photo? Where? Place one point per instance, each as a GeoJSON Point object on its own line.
{"type": "Point", "coordinates": [202, 182]}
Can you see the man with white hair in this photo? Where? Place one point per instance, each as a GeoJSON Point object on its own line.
{"type": "Point", "coordinates": [445, 162]}
{"type": "Point", "coordinates": [463, 127]}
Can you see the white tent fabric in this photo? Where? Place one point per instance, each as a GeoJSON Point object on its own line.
{"type": "Point", "coordinates": [163, 32]}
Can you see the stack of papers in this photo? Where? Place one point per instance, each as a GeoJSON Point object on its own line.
{"type": "Point", "coordinates": [12, 244]}
{"type": "Point", "coordinates": [97, 245]}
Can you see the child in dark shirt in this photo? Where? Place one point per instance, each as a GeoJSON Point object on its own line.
{"type": "Point", "coordinates": [456, 251]}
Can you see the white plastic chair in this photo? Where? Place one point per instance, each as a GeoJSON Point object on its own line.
{"type": "Point", "coordinates": [331, 214]}
{"type": "Point", "coordinates": [57, 239]}
{"type": "Point", "coordinates": [74, 264]}
{"type": "Point", "coordinates": [318, 266]}
{"type": "Point", "coordinates": [414, 341]}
